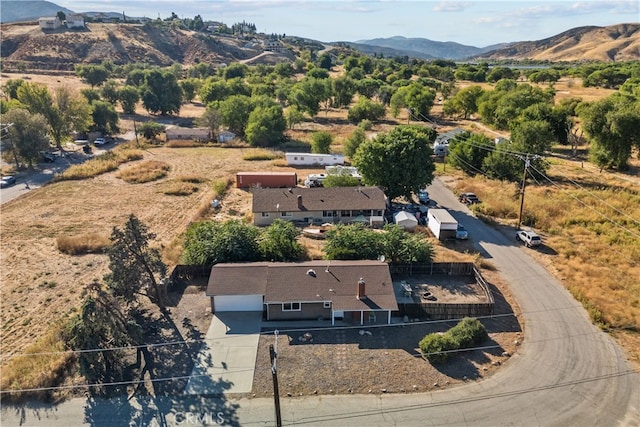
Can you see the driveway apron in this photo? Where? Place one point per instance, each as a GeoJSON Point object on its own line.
{"type": "Point", "coordinates": [226, 362]}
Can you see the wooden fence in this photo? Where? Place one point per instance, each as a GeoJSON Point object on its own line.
{"type": "Point", "coordinates": [445, 310]}
{"type": "Point", "coordinates": [182, 273]}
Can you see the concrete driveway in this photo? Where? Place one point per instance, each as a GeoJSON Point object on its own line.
{"type": "Point", "coordinates": [226, 362]}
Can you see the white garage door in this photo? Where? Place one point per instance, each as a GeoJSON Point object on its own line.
{"type": "Point", "coordinates": [238, 303]}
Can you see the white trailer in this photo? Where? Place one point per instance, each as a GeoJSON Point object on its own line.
{"type": "Point", "coordinates": [311, 159]}
{"type": "Point", "coordinates": [442, 224]}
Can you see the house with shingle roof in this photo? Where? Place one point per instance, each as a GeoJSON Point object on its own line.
{"type": "Point", "coordinates": [360, 292]}
{"type": "Point", "coordinates": [319, 205]}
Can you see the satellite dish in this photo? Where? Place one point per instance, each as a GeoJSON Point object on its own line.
{"type": "Point", "coordinates": [381, 258]}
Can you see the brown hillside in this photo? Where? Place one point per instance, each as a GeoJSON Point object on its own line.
{"type": "Point", "coordinates": [614, 43]}
{"type": "Point", "coordinates": [27, 45]}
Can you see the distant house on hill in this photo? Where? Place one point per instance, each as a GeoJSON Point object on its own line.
{"type": "Point", "coordinates": [75, 21]}
{"type": "Point", "coordinates": [226, 136]}
{"type": "Point", "coordinates": [49, 23]}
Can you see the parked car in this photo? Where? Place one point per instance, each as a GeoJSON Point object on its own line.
{"type": "Point", "coordinates": [423, 197]}
{"type": "Point", "coordinates": [468, 198]}
{"type": "Point", "coordinates": [529, 238]}
{"type": "Point", "coordinates": [7, 181]}
{"type": "Point", "coordinates": [99, 141]}
{"type": "Point", "coordinates": [461, 233]}
{"type": "Point", "coordinates": [47, 157]}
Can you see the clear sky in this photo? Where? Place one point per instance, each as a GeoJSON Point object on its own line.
{"type": "Point", "coordinates": [473, 22]}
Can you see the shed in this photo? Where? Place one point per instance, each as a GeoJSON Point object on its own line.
{"type": "Point", "coordinates": [405, 220]}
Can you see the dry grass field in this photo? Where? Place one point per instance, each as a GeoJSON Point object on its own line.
{"type": "Point", "coordinates": [41, 285]}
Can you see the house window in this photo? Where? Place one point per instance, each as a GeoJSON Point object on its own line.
{"type": "Point", "coordinates": [291, 306]}
{"type": "Point", "coordinates": [327, 304]}
{"type": "Point", "coordinates": [377, 212]}
{"type": "Point", "coordinates": [285, 213]}
{"type": "Point", "coordinates": [345, 213]}
{"type": "Point", "coordinates": [265, 214]}
{"type": "Point", "coordinates": [328, 214]}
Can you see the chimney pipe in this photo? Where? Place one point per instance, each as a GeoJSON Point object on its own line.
{"type": "Point", "coordinates": [300, 201]}
{"type": "Point", "coordinates": [361, 290]}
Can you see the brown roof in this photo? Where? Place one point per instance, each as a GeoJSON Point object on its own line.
{"type": "Point", "coordinates": [334, 281]}
{"type": "Point", "coordinates": [317, 199]}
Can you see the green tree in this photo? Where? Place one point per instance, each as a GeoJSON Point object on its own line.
{"type": "Point", "coordinates": [95, 75]}
{"type": "Point", "coordinates": [400, 160]}
{"type": "Point", "coordinates": [266, 126]}
{"type": "Point", "coordinates": [365, 109]}
{"type": "Point", "coordinates": [405, 248]}
{"type": "Point", "coordinates": [294, 116]}
{"type": "Point", "coordinates": [105, 117]}
{"type": "Point", "coordinates": [210, 242]}
{"type": "Point", "coordinates": [90, 95]}
{"type": "Point", "coordinates": [464, 103]}
{"type": "Point", "coordinates": [189, 88]}
{"type": "Point", "coordinates": [532, 136]}
{"type": "Point", "coordinates": [235, 111]}
{"type": "Point", "coordinates": [416, 98]}
{"type": "Point", "coordinates": [109, 91]}
{"type": "Point", "coordinates": [354, 140]}
{"type": "Point", "coordinates": [343, 90]}
{"type": "Point", "coordinates": [150, 130]}
{"type": "Point", "coordinates": [353, 241]}
{"type": "Point", "coordinates": [210, 119]}
{"type": "Point", "coordinates": [135, 267]}
{"type": "Point", "coordinates": [468, 150]}
{"type": "Point", "coordinates": [11, 87]}
{"type": "Point", "coordinates": [64, 112]}
{"type": "Point", "coordinates": [613, 125]}
{"type": "Point", "coordinates": [278, 242]}
{"type": "Point", "coordinates": [161, 93]}
{"type": "Point", "coordinates": [502, 164]}
{"type": "Point", "coordinates": [321, 142]}
{"type": "Point", "coordinates": [27, 135]}
{"type": "Point", "coordinates": [309, 93]}
{"type": "Point", "coordinates": [341, 180]}
{"type": "Point", "coordinates": [128, 97]}
{"type": "Point", "coordinates": [324, 61]}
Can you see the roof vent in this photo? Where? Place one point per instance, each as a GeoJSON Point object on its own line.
{"type": "Point", "coordinates": [311, 272]}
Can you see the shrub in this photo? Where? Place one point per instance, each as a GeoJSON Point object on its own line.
{"type": "Point", "coordinates": [321, 142]}
{"type": "Point", "coordinates": [435, 346]}
{"type": "Point", "coordinates": [467, 333]}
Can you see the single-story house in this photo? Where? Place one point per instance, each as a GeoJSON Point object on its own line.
{"type": "Point", "coordinates": [190, 134]}
{"type": "Point", "coordinates": [75, 21]}
{"type": "Point", "coordinates": [49, 23]}
{"type": "Point", "coordinates": [319, 205]}
{"type": "Point", "coordinates": [356, 291]}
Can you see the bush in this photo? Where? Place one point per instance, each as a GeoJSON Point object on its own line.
{"type": "Point", "coordinates": [435, 346]}
{"type": "Point", "coordinates": [366, 109]}
{"type": "Point", "coordinates": [467, 333]}
{"type": "Point", "coordinates": [321, 142]}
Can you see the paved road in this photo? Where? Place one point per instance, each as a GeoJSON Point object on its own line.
{"type": "Point", "coordinates": [566, 373]}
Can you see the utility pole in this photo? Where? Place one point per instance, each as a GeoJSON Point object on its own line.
{"type": "Point", "coordinates": [524, 183]}
{"type": "Point", "coordinates": [274, 373]}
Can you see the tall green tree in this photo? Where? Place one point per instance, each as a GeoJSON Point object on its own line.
{"type": "Point", "coordinates": [354, 140]}
{"type": "Point", "coordinates": [416, 98]}
{"type": "Point", "coordinates": [109, 91]}
{"type": "Point", "coordinates": [64, 111]}
{"type": "Point", "coordinates": [400, 160]}
{"type": "Point", "coordinates": [136, 268]}
{"type": "Point", "coordinates": [27, 135]}
{"type": "Point", "coordinates": [467, 152]}
{"type": "Point", "coordinates": [128, 97]}
{"type": "Point", "coordinates": [464, 103]}
{"type": "Point", "coordinates": [343, 90]}
{"type": "Point", "coordinates": [366, 109]}
{"type": "Point", "coordinates": [161, 93]}
{"type": "Point", "coordinates": [210, 119]}
{"type": "Point", "coordinates": [235, 111]}
{"type": "Point", "coordinates": [278, 242]}
{"type": "Point", "coordinates": [105, 118]}
{"type": "Point", "coordinates": [309, 93]}
{"type": "Point", "coordinates": [210, 242]}
{"type": "Point", "coordinates": [321, 142]}
{"type": "Point", "coordinates": [266, 126]}
{"type": "Point", "coordinates": [95, 75]}
{"type": "Point", "coordinates": [613, 125]}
